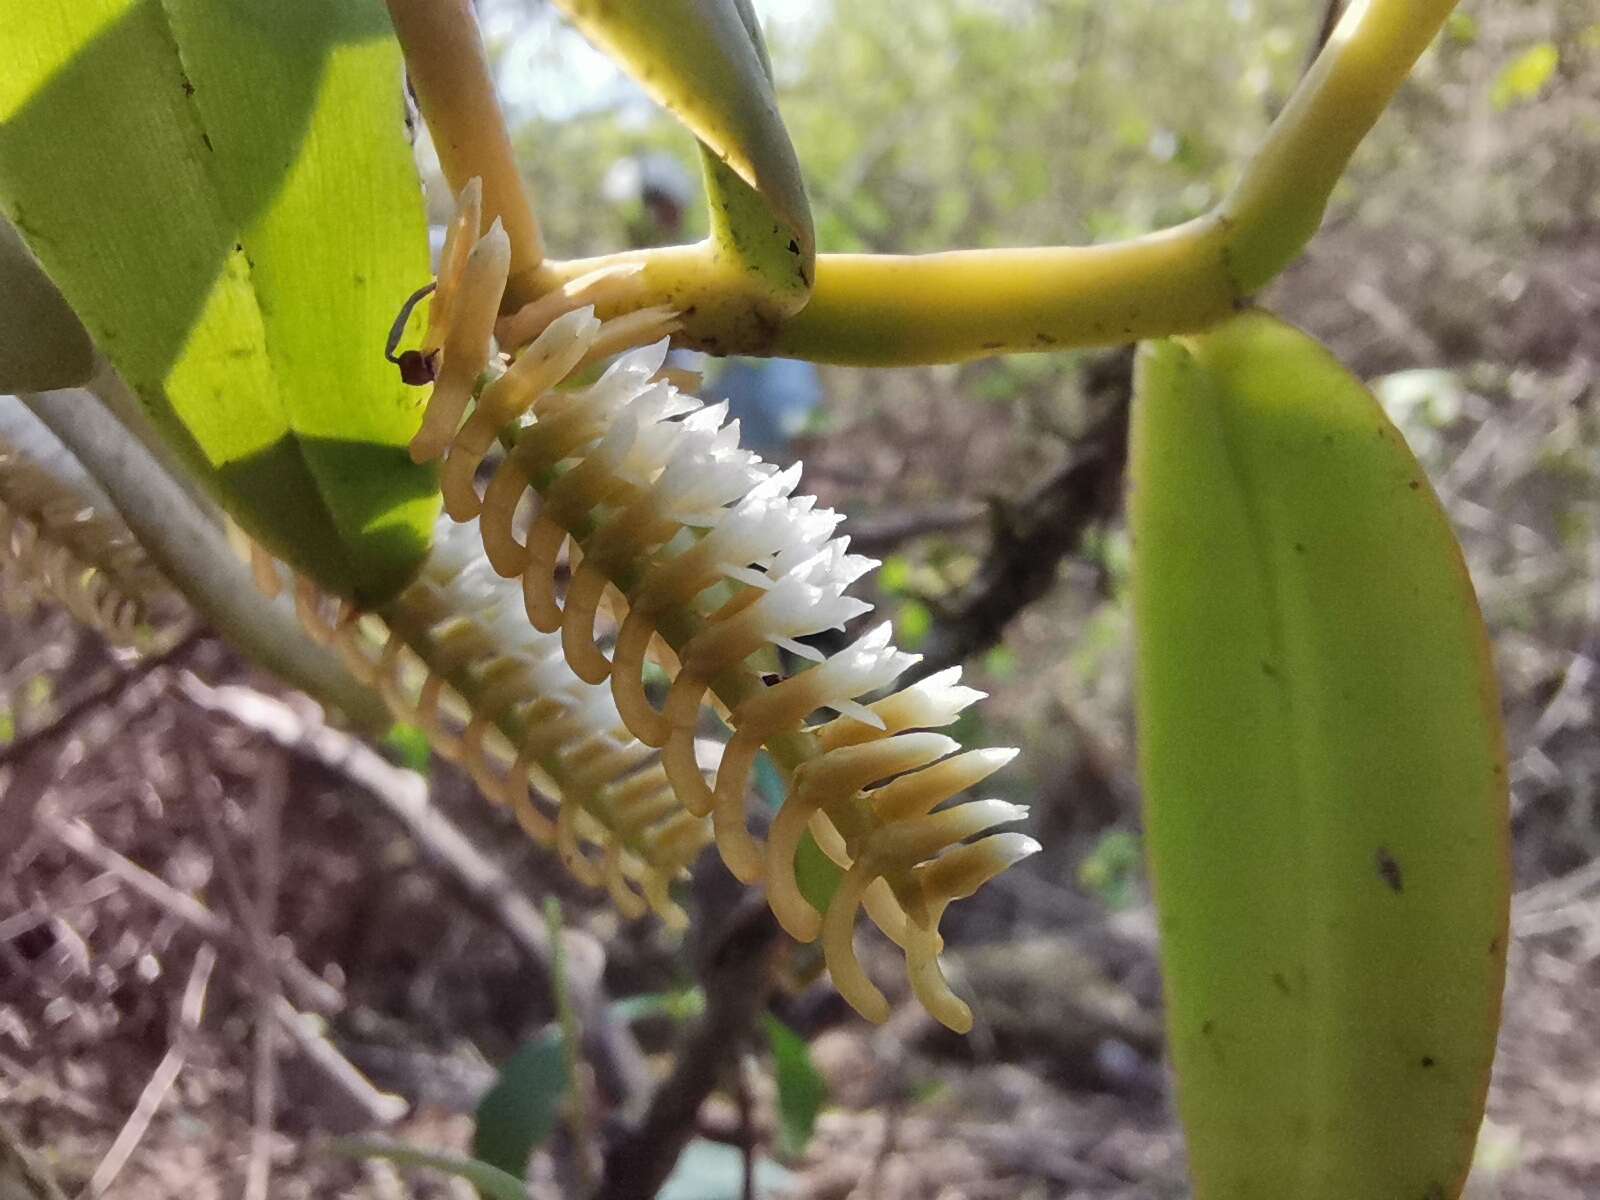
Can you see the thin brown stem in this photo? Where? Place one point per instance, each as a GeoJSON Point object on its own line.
{"type": "Point", "coordinates": [738, 979]}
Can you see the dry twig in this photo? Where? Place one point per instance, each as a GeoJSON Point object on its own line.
{"type": "Point", "coordinates": [32, 757]}
{"type": "Point", "coordinates": [164, 1076]}
{"type": "Point", "coordinates": [308, 988]}
{"type": "Point", "coordinates": [368, 1105]}
{"type": "Point", "coordinates": [487, 886]}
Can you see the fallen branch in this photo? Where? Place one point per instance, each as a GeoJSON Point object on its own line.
{"type": "Point", "coordinates": [258, 915]}
{"type": "Point", "coordinates": [882, 532]}
{"type": "Point", "coordinates": [271, 792]}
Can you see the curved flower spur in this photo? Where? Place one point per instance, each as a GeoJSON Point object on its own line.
{"type": "Point", "coordinates": [706, 558]}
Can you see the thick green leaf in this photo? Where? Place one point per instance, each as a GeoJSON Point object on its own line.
{"type": "Point", "coordinates": [519, 1112]}
{"type": "Point", "coordinates": [705, 61]}
{"type": "Point", "coordinates": [43, 345]}
{"type": "Point", "coordinates": [801, 1089]}
{"type": "Point", "coordinates": [223, 191]}
{"type": "Point", "coordinates": [1324, 776]}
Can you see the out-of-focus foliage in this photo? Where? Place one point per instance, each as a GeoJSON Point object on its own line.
{"type": "Point", "coordinates": [960, 122]}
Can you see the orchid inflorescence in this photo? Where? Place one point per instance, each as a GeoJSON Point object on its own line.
{"type": "Point", "coordinates": [705, 558]}
{"type": "Point", "coordinates": [56, 545]}
{"type": "Point", "coordinates": [452, 657]}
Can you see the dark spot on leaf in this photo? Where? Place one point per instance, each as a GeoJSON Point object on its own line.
{"type": "Point", "coordinates": [1389, 871]}
{"type": "Point", "coordinates": [1267, 669]}
{"type": "Point", "coordinates": [1428, 1060]}
{"type": "Point", "coordinates": [206, 138]}
{"type": "Point", "coordinates": [1207, 1027]}
{"type": "Point", "coordinates": [188, 88]}
{"type": "Point", "coordinates": [1414, 485]}
{"type": "Point", "coordinates": [238, 247]}
{"type": "Point", "coordinates": [1299, 547]}
{"type": "Point", "coordinates": [794, 246]}
{"type": "Point", "coordinates": [1494, 945]}
{"type": "Point", "coordinates": [1279, 982]}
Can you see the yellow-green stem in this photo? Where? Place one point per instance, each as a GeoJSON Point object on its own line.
{"type": "Point", "coordinates": [1278, 204]}
{"type": "Point", "coordinates": [888, 310]}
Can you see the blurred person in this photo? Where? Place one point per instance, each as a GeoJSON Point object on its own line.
{"type": "Point", "coordinates": [773, 399]}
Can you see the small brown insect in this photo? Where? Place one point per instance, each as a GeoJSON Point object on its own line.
{"type": "Point", "coordinates": [416, 368]}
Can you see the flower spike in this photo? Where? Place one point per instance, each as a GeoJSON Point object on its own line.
{"type": "Point", "coordinates": [706, 558]}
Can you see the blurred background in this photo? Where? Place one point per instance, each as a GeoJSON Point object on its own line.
{"type": "Point", "coordinates": [226, 932]}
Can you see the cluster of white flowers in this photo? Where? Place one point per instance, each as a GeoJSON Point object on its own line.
{"type": "Point", "coordinates": [709, 560]}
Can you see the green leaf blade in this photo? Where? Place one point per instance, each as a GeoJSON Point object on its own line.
{"type": "Point", "coordinates": [802, 1091]}
{"type": "Point", "coordinates": [1324, 776]}
{"type": "Point", "coordinates": [705, 62]}
{"type": "Point", "coordinates": [223, 193]}
{"type": "Point", "coordinates": [520, 1111]}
